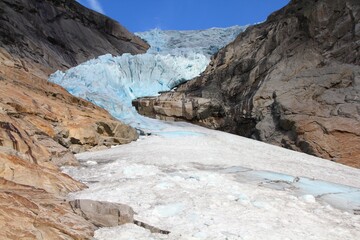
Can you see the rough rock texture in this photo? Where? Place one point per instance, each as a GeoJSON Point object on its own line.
{"type": "Point", "coordinates": [292, 81]}
{"type": "Point", "coordinates": [32, 213]}
{"type": "Point", "coordinates": [103, 214]}
{"type": "Point", "coordinates": [41, 124]}
{"type": "Point", "coordinates": [61, 33]}
{"type": "Point", "coordinates": [43, 121]}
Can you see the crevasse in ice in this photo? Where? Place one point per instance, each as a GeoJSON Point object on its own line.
{"type": "Point", "coordinates": [112, 82]}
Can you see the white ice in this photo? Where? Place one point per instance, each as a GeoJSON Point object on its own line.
{"type": "Point", "coordinates": [203, 184]}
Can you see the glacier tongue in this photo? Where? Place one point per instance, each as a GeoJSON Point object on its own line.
{"type": "Point", "coordinates": [112, 82]}
{"type": "Point", "coordinates": [174, 57]}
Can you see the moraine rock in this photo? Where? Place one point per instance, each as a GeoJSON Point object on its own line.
{"type": "Point", "coordinates": [108, 214]}
{"type": "Point", "coordinates": [292, 81]}
{"type": "Point", "coordinates": [103, 214]}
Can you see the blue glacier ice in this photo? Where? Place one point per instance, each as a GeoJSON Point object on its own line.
{"type": "Point", "coordinates": [112, 82]}
{"type": "Point", "coordinates": [338, 195]}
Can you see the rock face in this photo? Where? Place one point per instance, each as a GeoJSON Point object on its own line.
{"type": "Point", "coordinates": [61, 33]}
{"type": "Point", "coordinates": [32, 213]}
{"type": "Point", "coordinates": [292, 81]}
{"type": "Point", "coordinates": [41, 124]}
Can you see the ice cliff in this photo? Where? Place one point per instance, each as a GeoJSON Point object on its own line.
{"type": "Point", "coordinates": [112, 82]}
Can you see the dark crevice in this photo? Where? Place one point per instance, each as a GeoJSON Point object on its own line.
{"type": "Point", "coordinates": [152, 229]}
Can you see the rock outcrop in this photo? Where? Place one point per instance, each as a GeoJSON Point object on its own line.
{"type": "Point", "coordinates": [103, 214]}
{"type": "Point", "coordinates": [292, 81]}
{"type": "Point", "coordinates": [33, 213]}
{"type": "Point", "coordinates": [41, 124]}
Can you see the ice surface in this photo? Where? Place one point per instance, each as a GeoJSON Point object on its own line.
{"type": "Point", "coordinates": [338, 195]}
{"type": "Point", "coordinates": [174, 57]}
{"type": "Point", "coordinates": [169, 210]}
{"type": "Point", "coordinates": [214, 185]}
{"type": "Point", "coordinates": [177, 133]}
{"type": "Point", "coordinates": [206, 42]}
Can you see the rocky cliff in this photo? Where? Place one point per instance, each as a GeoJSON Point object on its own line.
{"type": "Point", "coordinates": [292, 81]}
{"type": "Point", "coordinates": [41, 124]}
{"type": "Point", "coordinates": [61, 33]}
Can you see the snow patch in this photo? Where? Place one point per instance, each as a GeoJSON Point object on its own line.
{"type": "Point", "coordinates": [308, 198]}
{"type": "Point", "coordinates": [136, 170]}
{"type": "Point", "coordinates": [169, 210]}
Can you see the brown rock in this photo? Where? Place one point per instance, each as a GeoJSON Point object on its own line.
{"type": "Point", "coordinates": [29, 212]}
{"type": "Point", "coordinates": [43, 121]}
{"type": "Point", "coordinates": [292, 81]}
{"type": "Point", "coordinates": [14, 168]}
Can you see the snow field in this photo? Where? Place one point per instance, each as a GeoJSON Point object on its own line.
{"type": "Point", "coordinates": [202, 186]}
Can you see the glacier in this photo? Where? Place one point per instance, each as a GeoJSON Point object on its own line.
{"type": "Point", "coordinates": [112, 82]}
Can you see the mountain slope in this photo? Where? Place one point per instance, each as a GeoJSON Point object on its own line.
{"type": "Point", "coordinates": [292, 81]}
{"type": "Point", "coordinates": [61, 33]}
{"type": "Point", "coordinates": [41, 124]}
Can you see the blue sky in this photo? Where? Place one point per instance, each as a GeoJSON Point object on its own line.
{"type": "Point", "coordinates": [142, 15]}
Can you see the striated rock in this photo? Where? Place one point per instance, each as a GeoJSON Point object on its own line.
{"type": "Point", "coordinates": [30, 203]}
{"type": "Point", "coordinates": [293, 81]}
{"type": "Point", "coordinates": [44, 121]}
{"type": "Point", "coordinates": [15, 167]}
{"type": "Point", "coordinates": [177, 106]}
{"type": "Point", "coordinates": [41, 124]}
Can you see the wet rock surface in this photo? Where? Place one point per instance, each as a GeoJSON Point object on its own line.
{"type": "Point", "coordinates": [292, 81]}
